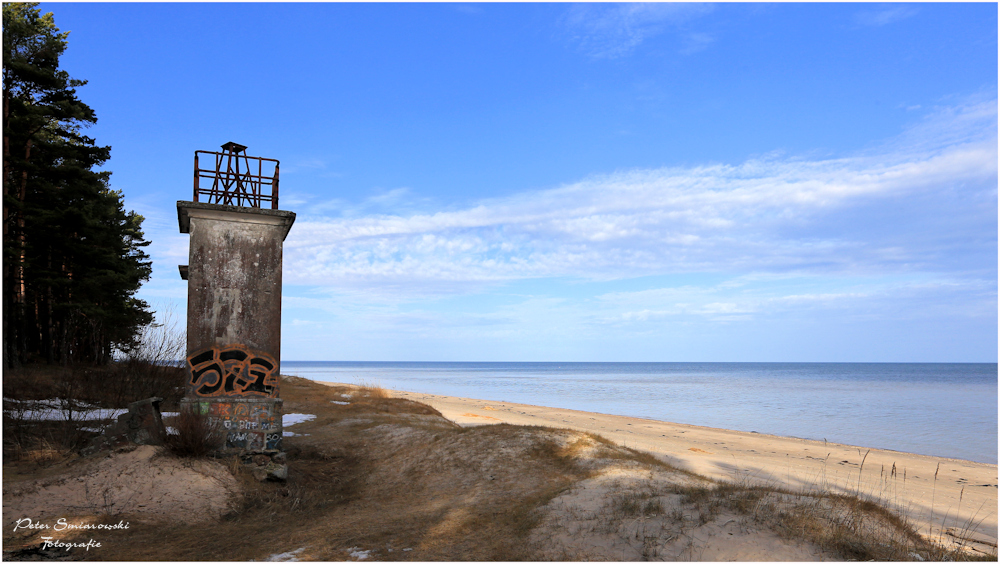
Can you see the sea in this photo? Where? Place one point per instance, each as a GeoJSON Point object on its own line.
{"type": "Point", "coordinates": [947, 410]}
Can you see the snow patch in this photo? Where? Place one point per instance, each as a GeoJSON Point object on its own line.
{"type": "Point", "coordinates": [356, 552]}
{"type": "Point", "coordinates": [290, 556]}
{"type": "Point", "coordinates": [293, 418]}
{"type": "Point", "coordinates": [57, 410]}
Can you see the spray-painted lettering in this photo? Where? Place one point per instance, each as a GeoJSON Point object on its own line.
{"type": "Point", "coordinates": [273, 441]}
{"type": "Point", "coordinates": [253, 440]}
{"type": "Point", "coordinates": [233, 370]}
{"type": "Point", "coordinates": [249, 441]}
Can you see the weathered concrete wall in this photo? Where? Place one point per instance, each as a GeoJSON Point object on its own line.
{"type": "Point", "coordinates": [234, 315]}
{"type": "Point", "coordinates": [249, 424]}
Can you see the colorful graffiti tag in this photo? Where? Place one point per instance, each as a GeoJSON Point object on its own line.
{"type": "Point", "coordinates": [249, 424]}
{"type": "Point", "coordinates": [233, 370]}
{"type": "Point", "coordinates": [243, 416]}
{"type": "Point", "coordinates": [253, 441]}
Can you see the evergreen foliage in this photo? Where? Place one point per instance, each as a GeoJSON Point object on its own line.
{"type": "Point", "coordinates": [73, 256]}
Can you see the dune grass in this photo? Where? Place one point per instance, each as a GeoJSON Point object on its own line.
{"type": "Point", "coordinates": [372, 389]}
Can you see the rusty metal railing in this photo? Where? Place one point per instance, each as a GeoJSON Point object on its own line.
{"type": "Point", "coordinates": [233, 180]}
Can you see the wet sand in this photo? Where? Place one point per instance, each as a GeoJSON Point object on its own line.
{"type": "Point", "coordinates": [940, 496]}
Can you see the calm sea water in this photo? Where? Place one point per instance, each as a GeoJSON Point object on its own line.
{"type": "Point", "coordinates": [938, 409]}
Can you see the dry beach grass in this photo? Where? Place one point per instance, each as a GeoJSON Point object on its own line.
{"type": "Point", "coordinates": [379, 476]}
{"type": "Point", "coordinates": [953, 502]}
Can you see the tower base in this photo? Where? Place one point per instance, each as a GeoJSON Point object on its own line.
{"type": "Point", "coordinates": [249, 425]}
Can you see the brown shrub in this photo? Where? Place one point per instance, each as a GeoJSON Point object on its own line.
{"type": "Point", "coordinates": [196, 435]}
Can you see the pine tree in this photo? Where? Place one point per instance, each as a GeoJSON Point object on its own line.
{"type": "Point", "coordinates": [73, 257]}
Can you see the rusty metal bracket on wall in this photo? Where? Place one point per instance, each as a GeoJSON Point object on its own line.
{"type": "Point", "coordinates": [233, 180]}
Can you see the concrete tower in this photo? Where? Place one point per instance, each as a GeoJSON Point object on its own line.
{"type": "Point", "coordinates": [234, 297]}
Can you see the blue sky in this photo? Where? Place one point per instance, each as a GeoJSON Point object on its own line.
{"type": "Point", "coordinates": [580, 182]}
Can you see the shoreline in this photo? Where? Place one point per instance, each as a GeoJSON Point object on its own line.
{"type": "Point", "coordinates": [940, 496]}
{"type": "Point", "coordinates": [918, 408]}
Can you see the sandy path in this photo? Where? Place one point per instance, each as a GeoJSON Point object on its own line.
{"type": "Point", "coordinates": [963, 492]}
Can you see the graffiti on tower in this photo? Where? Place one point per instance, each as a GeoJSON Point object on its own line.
{"type": "Point", "coordinates": [232, 370]}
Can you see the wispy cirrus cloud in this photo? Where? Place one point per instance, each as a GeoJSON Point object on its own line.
{"type": "Point", "coordinates": [923, 201]}
{"type": "Point", "coordinates": [661, 321]}
{"type": "Point", "coordinates": [694, 42]}
{"type": "Point", "coordinates": [608, 31]}
{"type": "Point", "coordinates": [884, 16]}
{"type": "Point", "coordinates": [802, 297]}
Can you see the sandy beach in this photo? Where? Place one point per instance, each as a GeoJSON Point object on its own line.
{"type": "Point", "coordinates": [941, 497]}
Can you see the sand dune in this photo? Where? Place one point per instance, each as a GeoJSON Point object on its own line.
{"type": "Point", "coordinates": [393, 478]}
{"type": "Point", "coordinates": [942, 497]}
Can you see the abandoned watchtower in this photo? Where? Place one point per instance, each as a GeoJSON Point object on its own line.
{"type": "Point", "coordinates": [234, 295]}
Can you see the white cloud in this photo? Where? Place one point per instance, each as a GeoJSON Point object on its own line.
{"type": "Point", "coordinates": [613, 30]}
{"type": "Point", "coordinates": [301, 164]}
{"type": "Point", "coordinates": [755, 216]}
{"type": "Point", "coordinates": [695, 42]}
{"type": "Point", "coordinates": [885, 16]}
{"type": "Point", "coordinates": [802, 298]}
{"type": "Point", "coordinates": [468, 8]}
{"type": "Point", "coordinates": [661, 322]}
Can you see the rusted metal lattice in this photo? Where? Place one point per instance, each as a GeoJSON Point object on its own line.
{"type": "Point", "coordinates": [234, 182]}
